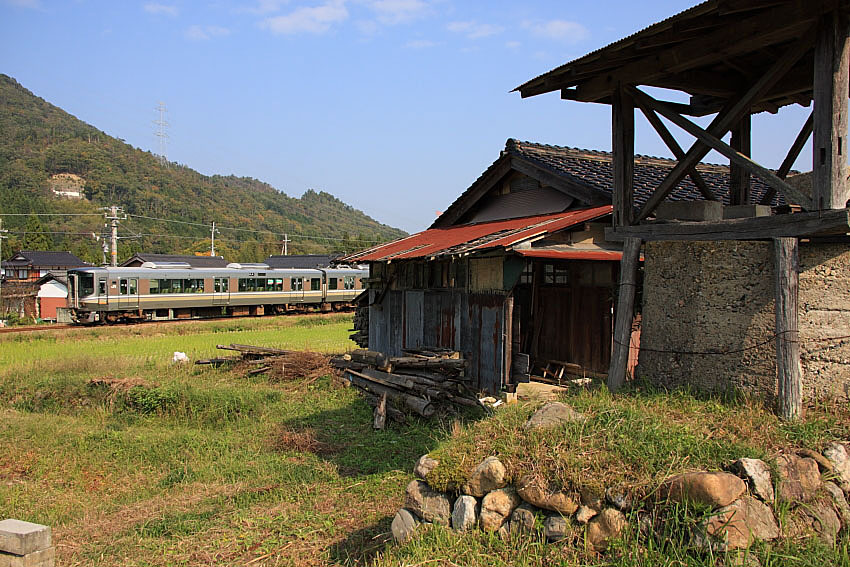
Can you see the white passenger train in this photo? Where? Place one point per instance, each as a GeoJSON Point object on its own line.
{"type": "Point", "coordinates": [174, 290]}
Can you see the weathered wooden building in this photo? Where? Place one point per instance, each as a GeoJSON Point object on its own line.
{"type": "Point", "coordinates": [772, 329]}
{"type": "Point", "coordinates": [518, 268]}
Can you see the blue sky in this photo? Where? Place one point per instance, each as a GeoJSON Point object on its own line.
{"type": "Point", "coordinates": [394, 106]}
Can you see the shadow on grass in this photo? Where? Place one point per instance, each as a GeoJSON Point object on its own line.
{"type": "Point", "coordinates": [361, 546]}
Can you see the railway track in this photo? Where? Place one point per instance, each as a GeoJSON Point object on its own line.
{"type": "Point", "coordinates": [34, 328]}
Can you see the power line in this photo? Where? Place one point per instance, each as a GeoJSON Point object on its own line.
{"type": "Point", "coordinates": [50, 214]}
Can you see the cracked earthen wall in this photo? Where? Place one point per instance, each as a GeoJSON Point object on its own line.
{"type": "Point", "coordinates": [718, 297]}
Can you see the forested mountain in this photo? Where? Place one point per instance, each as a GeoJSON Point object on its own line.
{"type": "Point", "coordinates": [45, 151]}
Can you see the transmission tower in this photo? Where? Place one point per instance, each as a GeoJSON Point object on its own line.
{"type": "Point", "coordinates": [162, 134]}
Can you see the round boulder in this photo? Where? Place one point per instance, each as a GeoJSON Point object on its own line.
{"type": "Point", "coordinates": [488, 475]}
{"type": "Point", "coordinates": [430, 505]}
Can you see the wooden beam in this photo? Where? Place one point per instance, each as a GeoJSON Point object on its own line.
{"type": "Point", "coordinates": [674, 146]}
{"type": "Point", "coordinates": [623, 148]}
{"type": "Point", "coordinates": [788, 368]}
{"type": "Point", "coordinates": [755, 228]}
{"type": "Point", "coordinates": [790, 158]}
{"type": "Point", "coordinates": [792, 194]}
{"type": "Point", "coordinates": [739, 177]}
{"type": "Point", "coordinates": [731, 114]}
{"type": "Point", "coordinates": [625, 314]}
{"type": "Point", "coordinates": [832, 56]}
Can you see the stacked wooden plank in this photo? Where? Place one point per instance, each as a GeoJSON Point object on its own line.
{"type": "Point", "coordinates": [281, 365]}
{"type": "Point", "coordinates": [420, 382]}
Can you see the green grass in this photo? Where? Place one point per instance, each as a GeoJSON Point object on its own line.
{"type": "Point", "coordinates": [137, 461]}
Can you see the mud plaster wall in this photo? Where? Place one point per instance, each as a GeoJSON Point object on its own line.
{"type": "Point", "coordinates": [704, 297]}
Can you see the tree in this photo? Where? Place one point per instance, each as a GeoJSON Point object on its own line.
{"type": "Point", "coordinates": [36, 237]}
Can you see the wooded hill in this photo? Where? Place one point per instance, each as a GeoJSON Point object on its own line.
{"type": "Point", "coordinates": [43, 148]}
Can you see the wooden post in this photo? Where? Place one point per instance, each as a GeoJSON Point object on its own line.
{"type": "Point", "coordinates": [624, 314]}
{"type": "Point", "coordinates": [829, 190]}
{"type": "Point", "coordinates": [623, 148]}
{"type": "Point", "coordinates": [788, 368]}
{"type": "Point", "coordinates": [739, 178]}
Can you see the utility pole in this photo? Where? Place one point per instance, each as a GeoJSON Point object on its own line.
{"type": "Point", "coordinates": [113, 217]}
{"type": "Point", "coordinates": [2, 236]}
{"type": "Point", "coordinates": [212, 239]}
{"type": "Point", "coordinates": [284, 249]}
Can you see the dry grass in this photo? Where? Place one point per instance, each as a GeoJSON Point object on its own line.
{"type": "Point", "coordinates": [302, 440]}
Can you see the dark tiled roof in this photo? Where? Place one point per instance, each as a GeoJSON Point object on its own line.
{"type": "Point", "coordinates": [299, 261]}
{"type": "Point", "coordinates": [194, 261]}
{"type": "Point", "coordinates": [594, 168]}
{"type": "Point", "coordinates": [44, 258]}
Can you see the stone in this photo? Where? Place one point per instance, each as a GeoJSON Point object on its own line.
{"type": "Point", "coordinates": [840, 503]}
{"type": "Point", "coordinates": [746, 211]}
{"type": "Point", "coordinates": [538, 391]}
{"type": "Point", "coordinates": [736, 526]}
{"type": "Point", "coordinates": [715, 489]}
{"type": "Point", "coordinates": [497, 507]}
{"type": "Point", "coordinates": [584, 514]}
{"type": "Point", "coordinates": [22, 538]}
{"type": "Point", "coordinates": [430, 505]}
{"type": "Point", "coordinates": [799, 478]}
{"type": "Point", "coordinates": [424, 466]}
{"type": "Point", "coordinates": [487, 476]}
{"type": "Point", "coordinates": [592, 499]}
{"type": "Point", "coordinates": [690, 210]}
{"type": "Point", "coordinates": [540, 493]}
{"type": "Point", "coordinates": [465, 513]}
{"type": "Point", "coordinates": [618, 500]}
{"type": "Point", "coordinates": [551, 415]}
{"type": "Point", "coordinates": [42, 558]}
{"type": "Point", "coordinates": [838, 455]}
{"type": "Point", "coordinates": [523, 518]}
{"type": "Point", "coordinates": [757, 474]}
{"type": "Point", "coordinates": [607, 525]}
{"type": "Point", "coordinates": [815, 519]}
{"type": "Point", "coordinates": [403, 526]}
{"type": "Point", "coordinates": [555, 528]}
{"type": "Point", "coordinates": [824, 464]}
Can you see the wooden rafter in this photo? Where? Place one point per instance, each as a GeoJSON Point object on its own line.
{"type": "Point", "coordinates": [791, 193]}
{"type": "Point", "coordinates": [674, 146]}
{"type": "Point", "coordinates": [729, 116]}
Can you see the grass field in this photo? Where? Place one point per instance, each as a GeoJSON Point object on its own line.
{"type": "Point", "coordinates": [137, 461]}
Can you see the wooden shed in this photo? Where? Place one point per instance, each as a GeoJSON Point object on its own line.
{"type": "Point", "coordinates": [517, 273]}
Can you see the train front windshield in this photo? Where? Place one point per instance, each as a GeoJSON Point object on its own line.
{"type": "Point", "coordinates": [86, 284]}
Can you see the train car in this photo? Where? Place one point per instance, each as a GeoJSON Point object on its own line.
{"type": "Point", "coordinates": [173, 290]}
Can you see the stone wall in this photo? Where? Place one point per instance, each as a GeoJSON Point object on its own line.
{"type": "Point", "coordinates": [702, 298]}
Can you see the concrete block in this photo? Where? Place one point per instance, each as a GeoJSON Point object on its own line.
{"type": "Point", "coordinates": [746, 211]}
{"type": "Point", "coordinates": [43, 558]}
{"type": "Point", "coordinates": [690, 210]}
{"type": "Point", "coordinates": [22, 538]}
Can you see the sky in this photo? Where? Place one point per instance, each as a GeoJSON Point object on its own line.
{"type": "Point", "coordinates": [393, 106]}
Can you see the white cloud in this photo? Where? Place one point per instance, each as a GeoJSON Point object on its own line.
{"type": "Point", "coordinates": [367, 27]}
{"type": "Point", "coordinates": [559, 30]}
{"type": "Point", "coordinates": [201, 33]}
{"type": "Point", "coordinates": [474, 30]}
{"type": "Point", "coordinates": [313, 19]}
{"type": "Point", "coordinates": [513, 45]}
{"type": "Point", "coordinates": [420, 44]}
{"type": "Point", "coordinates": [391, 12]}
{"type": "Point", "coordinates": [157, 9]}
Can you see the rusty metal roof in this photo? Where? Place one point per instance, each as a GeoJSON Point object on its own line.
{"type": "Point", "coordinates": [472, 238]}
{"type": "Point", "coordinates": [573, 254]}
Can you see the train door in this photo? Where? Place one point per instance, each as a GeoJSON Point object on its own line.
{"type": "Point", "coordinates": [128, 293]}
{"type": "Point", "coordinates": [221, 291]}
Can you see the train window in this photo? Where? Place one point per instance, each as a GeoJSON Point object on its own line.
{"type": "Point", "coordinates": [315, 284]}
{"type": "Point", "coordinates": [86, 285]}
{"type": "Point", "coordinates": [122, 287]}
{"type": "Point", "coordinates": [101, 287]}
{"type": "Point", "coordinates": [134, 286]}
{"type": "Point", "coordinates": [221, 285]}
{"type": "Point", "coordinates": [278, 284]}
{"type": "Point", "coordinates": [176, 286]}
{"type": "Point", "coordinates": [331, 283]}
{"type": "Point", "coordinates": [260, 284]}
{"type": "Point", "coordinates": [348, 282]}
{"type": "Point", "coordinates": [297, 284]}
{"type": "Point", "coordinates": [153, 287]}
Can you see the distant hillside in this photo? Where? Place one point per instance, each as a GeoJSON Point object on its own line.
{"type": "Point", "coordinates": [48, 158]}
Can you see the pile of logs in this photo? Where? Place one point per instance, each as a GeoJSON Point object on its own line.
{"type": "Point", "coordinates": [420, 382]}
{"type": "Point", "coordinates": [280, 364]}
